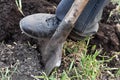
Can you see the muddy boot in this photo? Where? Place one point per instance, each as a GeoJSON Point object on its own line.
{"type": "Point", "coordinates": [39, 26]}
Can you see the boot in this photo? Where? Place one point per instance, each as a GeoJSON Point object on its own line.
{"type": "Point", "coordinates": [39, 26]}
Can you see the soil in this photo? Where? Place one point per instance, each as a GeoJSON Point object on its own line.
{"type": "Point", "coordinates": [14, 45]}
{"type": "Point", "coordinates": [24, 56]}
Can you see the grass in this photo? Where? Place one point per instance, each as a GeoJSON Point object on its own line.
{"type": "Point", "coordinates": [118, 73]}
{"type": "Point", "coordinates": [19, 6]}
{"type": "Point", "coordinates": [7, 72]}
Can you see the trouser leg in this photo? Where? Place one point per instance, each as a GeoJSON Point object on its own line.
{"type": "Point", "coordinates": [87, 23]}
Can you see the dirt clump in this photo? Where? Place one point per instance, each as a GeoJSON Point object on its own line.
{"type": "Point", "coordinates": [107, 38]}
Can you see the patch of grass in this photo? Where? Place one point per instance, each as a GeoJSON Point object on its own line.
{"type": "Point", "coordinates": [7, 72]}
{"type": "Point", "coordinates": [77, 64]}
{"type": "Point", "coordinates": [90, 66]}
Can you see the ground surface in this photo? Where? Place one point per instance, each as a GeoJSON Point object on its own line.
{"type": "Point", "coordinates": [14, 45]}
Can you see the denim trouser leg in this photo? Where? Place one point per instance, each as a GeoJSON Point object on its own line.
{"type": "Point", "coordinates": [87, 22]}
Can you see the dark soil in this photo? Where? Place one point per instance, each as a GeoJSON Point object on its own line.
{"type": "Point", "coordinates": [107, 38]}
{"type": "Point", "coordinates": [15, 44]}
{"type": "Point", "coordinates": [24, 56]}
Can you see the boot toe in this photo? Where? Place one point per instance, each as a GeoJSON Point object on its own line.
{"type": "Point", "coordinates": [37, 26]}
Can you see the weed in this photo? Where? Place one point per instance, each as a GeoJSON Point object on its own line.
{"type": "Point", "coordinates": [118, 73]}
{"type": "Point", "coordinates": [19, 6]}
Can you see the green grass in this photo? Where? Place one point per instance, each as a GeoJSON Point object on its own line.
{"type": "Point", "coordinates": [7, 72]}
{"type": "Point", "coordinates": [118, 73]}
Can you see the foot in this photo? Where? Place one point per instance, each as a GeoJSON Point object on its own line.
{"type": "Point", "coordinates": [39, 25]}
{"type": "Point", "coordinates": [75, 35]}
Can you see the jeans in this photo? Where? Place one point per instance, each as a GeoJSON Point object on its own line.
{"type": "Point", "coordinates": [87, 22]}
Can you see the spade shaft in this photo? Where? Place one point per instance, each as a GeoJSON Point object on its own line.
{"type": "Point", "coordinates": [53, 50]}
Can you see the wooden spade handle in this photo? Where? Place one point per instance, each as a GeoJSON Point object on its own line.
{"type": "Point", "coordinates": [75, 11]}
